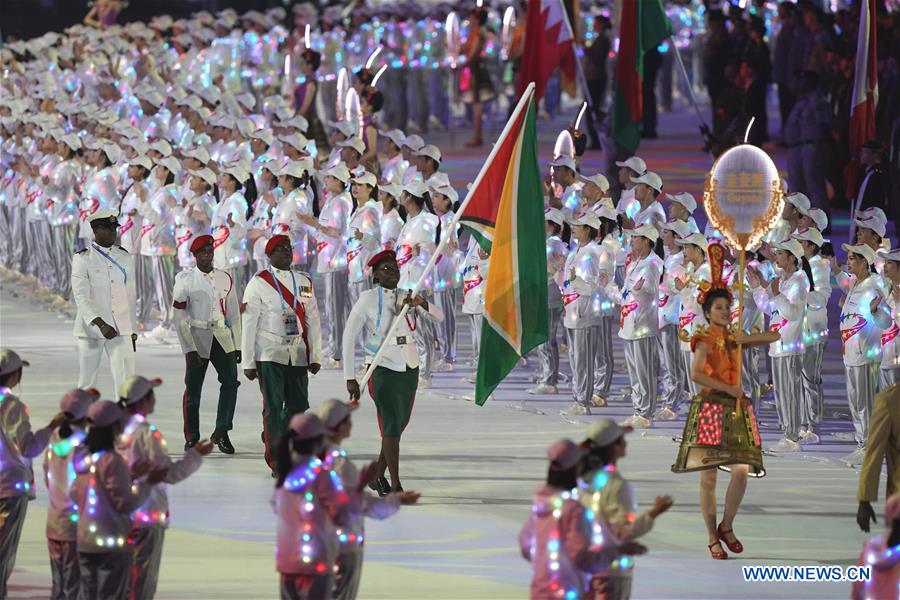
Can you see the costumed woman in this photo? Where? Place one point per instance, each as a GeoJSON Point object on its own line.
{"type": "Point", "coordinates": [721, 430]}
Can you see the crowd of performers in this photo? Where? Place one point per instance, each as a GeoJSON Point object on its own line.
{"type": "Point", "coordinates": [163, 198]}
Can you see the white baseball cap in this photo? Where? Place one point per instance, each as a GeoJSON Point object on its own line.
{"type": "Point", "coordinates": [445, 189]}
{"type": "Point", "coordinates": [263, 135]}
{"type": "Point", "coordinates": [296, 139]}
{"type": "Point", "coordinates": [893, 254]}
{"type": "Point", "coordinates": [415, 188]}
{"type": "Point", "coordinates": [396, 136]}
{"type": "Point", "coordinates": [694, 239]}
{"type": "Point", "coordinates": [650, 178]}
{"type": "Point", "coordinates": [345, 127]}
{"type": "Point", "coordinates": [818, 216]}
{"type": "Point", "coordinates": [199, 153]}
{"type": "Point", "coordinates": [205, 174]}
{"type": "Point", "coordinates": [686, 199]}
{"type": "Point", "coordinates": [809, 234]}
{"type": "Point", "coordinates": [872, 213]}
{"type": "Point", "coordinates": [586, 218]}
{"type": "Point", "coordinates": [604, 209]}
{"type": "Point", "coordinates": [413, 142]}
{"type": "Point", "coordinates": [171, 163]}
{"type": "Point", "coordinates": [872, 223]}
{"type": "Point", "coordinates": [339, 172]}
{"type": "Point", "coordinates": [390, 189]}
{"type": "Point", "coordinates": [554, 215]}
{"type": "Point", "coordinates": [792, 246]}
{"type": "Point", "coordinates": [142, 161]}
{"type": "Point", "coordinates": [681, 228]}
{"type": "Point", "coordinates": [431, 151]}
{"type": "Point", "coordinates": [646, 230]}
{"type": "Point", "coordinates": [799, 200]}
{"type": "Point", "coordinates": [564, 161]}
{"type": "Point", "coordinates": [599, 180]}
{"type": "Point", "coordinates": [366, 178]}
{"type": "Point", "coordinates": [355, 143]}
{"type": "Point", "coordinates": [295, 168]}
{"type": "Point", "coordinates": [861, 249]}
{"type": "Point", "coordinates": [161, 146]}
{"type": "Point", "coordinates": [635, 163]}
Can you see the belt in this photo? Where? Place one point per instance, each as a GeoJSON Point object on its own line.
{"type": "Point", "coordinates": [284, 340]}
{"type": "Point", "coordinates": [211, 324]}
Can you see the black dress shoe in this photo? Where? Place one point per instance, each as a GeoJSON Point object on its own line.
{"type": "Point", "coordinates": [381, 486]}
{"type": "Point", "coordinates": [190, 444]}
{"type": "Point", "coordinates": [220, 439]}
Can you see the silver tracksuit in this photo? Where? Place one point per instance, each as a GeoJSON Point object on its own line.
{"type": "Point", "coordinates": [671, 366]}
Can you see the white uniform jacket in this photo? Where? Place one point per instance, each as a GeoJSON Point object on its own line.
{"type": "Point", "coordinates": [103, 285]}
{"type": "Point", "coordinates": [206, 307]}
{"type": "Point", "coordinates": [372, 315]}
{"type": "Point", "coordinates": [640, 308]}
{"type": "Point", "coordinates": [272, 331]}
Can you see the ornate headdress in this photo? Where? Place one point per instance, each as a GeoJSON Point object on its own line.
{"type": "Point", "coordinates": [716, 257]}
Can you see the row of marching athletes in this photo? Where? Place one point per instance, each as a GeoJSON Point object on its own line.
{"type": "Point", "coordinates": [787, 287]}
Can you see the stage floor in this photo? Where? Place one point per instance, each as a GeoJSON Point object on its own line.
{"type": "Point", "coordinates": [475, 466]}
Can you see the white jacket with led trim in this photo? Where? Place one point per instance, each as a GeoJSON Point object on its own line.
{"type": "Point", "coordinates": [639, 307]}
{"type": "Point", "coordinates": [786, 311]}
{"type": "Point", "coordinates": [18, 445]}
{"type": "Point", "coordinates": [142, 443]}
{"type": "Point", "coordinates": [415, 244]}
{"type": "Point", "coordinates": [580, 308]}
{"type": "Point", "coordinates": [332, 251]}
{"type": "Point", "coordinates": [815, 326]}
{"type": "Point", "coordinates": [860, 328]}
{"type": "Point", "coordinates": [367, 221]}
{"type": "Point", "coordinates": [231, 246]}
{"type": "Point", "coordinates": [59, 475]}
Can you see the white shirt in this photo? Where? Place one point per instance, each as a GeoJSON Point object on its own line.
{"type": "Point", "coordinates": [415, 244]}
{"type": "Point", "coordinates": [206, 307]}
{"type": "Point", "coordinates": [104, 286]}
{"type": "Point", "coordinates": [580, 310]}
{"type": "Point", "coordinates": [271, 329]}
{"type": "Point", "coordinates": [372, 316]}
{"type": "Point", "coordinates": [230, 241]}
{"type": "Point", "coordinates": [332, 251]}
{"type": "Point", "coordinates": [158, 229]}
{"type": "Point", "coordinates": [366, 220]}
{"type": "Point", "coordinates": [639, 308]}
{"type": "Point", "coordinates": [860, 329]}
{"type": "Point", "coordinates": [786, 311]}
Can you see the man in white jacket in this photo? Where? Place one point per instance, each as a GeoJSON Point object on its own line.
{"type": "Point", "coordinates": [282, 339]}
{"type": "Point", "coordinates": [104, 291]}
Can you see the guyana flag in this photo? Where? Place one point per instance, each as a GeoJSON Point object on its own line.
{"type": "Point", "coordinates": [505, 213]}
{"type": "Point", "coordinates": [643, 25]}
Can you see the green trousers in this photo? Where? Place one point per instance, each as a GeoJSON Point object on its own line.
{"type": "Point", "coordinates": [285, 392]}
{"type": "Point", "coordinates": [225, 365]}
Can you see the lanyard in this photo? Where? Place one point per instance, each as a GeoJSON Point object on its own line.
{"type": "Point", "coordinates": [412, 326]}
{"type": "Point", "coordinates": [113, 261]}
{"type": "Point", "coordinates": [278, 287]}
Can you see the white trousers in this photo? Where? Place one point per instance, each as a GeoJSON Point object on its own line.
{"type": "Point", "coordinates": [475, 326]}
{"type": "Point", "coordinates": [788, 393]}
{"type": "Point", "coordinates": [603, 357]}
{"type": "Point", "coordinates": [687, 359]}
{"type": "Point", "coordinates": [862, 382]}
{"type": "Point", "coordinates": [640, 358]}
{"type": "Point", "coordinates": [548, 352]}
{"type": "Point", "coordinates": [671, 367]}
{"type": "Point", "coordinates": [813, 400]}
{"type": "Point", "coordinates": [337, 309]}
{"type": "Point", "coordinates": [582, 348]}
{"type": "Point", "coordinates": [446, 329]}
{"type": "Point", "coordinates": [121, 360]}
{"type": "Point", "coordinates": [888, 378]}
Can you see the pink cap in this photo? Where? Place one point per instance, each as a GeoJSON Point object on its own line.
{"type": "Point", "coordinates": [306, 426]}
{"type": "Point", "coordinates": [104, 413]}
{"type": "Point", "coordinates": [565, 454]}
{"type": "Point", "coordinates": [75, 402]}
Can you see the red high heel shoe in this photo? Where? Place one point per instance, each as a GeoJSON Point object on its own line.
{"type": "Point", "coordinates": [735, 546]}
{"type": "Point", "coordinates": [720, 555]}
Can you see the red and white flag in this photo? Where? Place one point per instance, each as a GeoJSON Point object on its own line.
{"type": "Point", "coordinates": [548, 44]}
{"type": "Point", "coordinates": [865, 81]}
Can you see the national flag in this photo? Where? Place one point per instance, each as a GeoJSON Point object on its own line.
{"type": "Point", "coordinates": [505, 211]}
{"type": "Point", "coordinates": [865, 80]}
{"type": "Point", "coordinates": [643, 25]}
{"type": "Point", "coordinates": [548, 45]}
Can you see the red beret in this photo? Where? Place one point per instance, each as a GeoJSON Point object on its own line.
{"type": "Point", "coordinates": [275, 241]}
{"type": "Point", "coordinates": [381, 256]}
{"type": "Point", "coordinates": [200, 241]}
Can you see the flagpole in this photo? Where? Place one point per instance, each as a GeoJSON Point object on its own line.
{"type": "Point", "coordinates": [445, 238]}
{"type": "Point", "coordinates": [704, 128]}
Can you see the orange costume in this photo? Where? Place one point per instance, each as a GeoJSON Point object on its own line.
{"type": "Point", "coordinates": [720, 430]}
